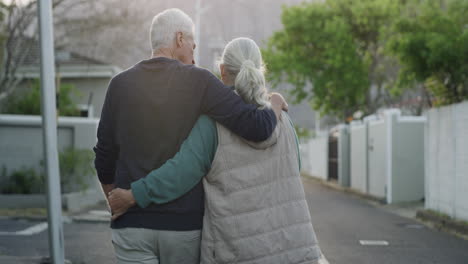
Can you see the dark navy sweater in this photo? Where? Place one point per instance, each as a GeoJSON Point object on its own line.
{"type": "Point", "coordinates": [148, 112]}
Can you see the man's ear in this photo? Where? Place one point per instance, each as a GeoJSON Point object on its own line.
{"type": "Point", "coordinates": [221, 69]}
{"type": "Point", "coordinates": [179, 38]}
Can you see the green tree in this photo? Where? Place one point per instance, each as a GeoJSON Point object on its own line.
{"type": "Point", "coordinates": [3, 9]}
{"type": "Point", "coordinates": [432, 47]}
{"type": "Point", "coordinates": [19, 30]}
{"type": "Point", "coordinates": [336, 48]}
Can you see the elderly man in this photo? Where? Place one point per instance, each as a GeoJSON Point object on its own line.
{"type": "Point", "coordinates": [148, 111]}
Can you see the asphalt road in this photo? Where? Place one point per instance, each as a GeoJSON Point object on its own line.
{"type": "Point", "coordinates": [84, 242]}
{"type": "Point", "coordinates": [340, 220]}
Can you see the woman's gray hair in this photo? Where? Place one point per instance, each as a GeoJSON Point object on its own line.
{"type": "Point", "coordinates": [166, 24]}
{"type": "Point", "coordinates": [243, 63]}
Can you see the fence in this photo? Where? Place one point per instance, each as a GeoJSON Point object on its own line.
{"type": "Point", "coordinates": [387, 156]}
{"type": "Point", "coordinates": [447, 160]}
{"type": "Point", "coordinates": [314, 157]}
{"type": "Point", "coordinates": [359, 159]}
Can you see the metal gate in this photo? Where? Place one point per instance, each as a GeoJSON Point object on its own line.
{"type": "Point", "coordinates": [333, 156]}
{"type": "Point", "coordinates": [377, 158]}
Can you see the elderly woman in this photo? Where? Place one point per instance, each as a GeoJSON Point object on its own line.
{"type": "Point", "coordinates": [255, 206]}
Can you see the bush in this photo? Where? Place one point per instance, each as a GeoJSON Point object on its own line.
{"type": "Point", "coordinates": [76, 172]}
{"type": "Point", "coordinates": [76, 169]}
{"type": "Point", "coordinates": [29, 103]}
{"type": "Point", "coordinates": [23, 181]}
{"type": "Point", "coordinates": [303, 134]}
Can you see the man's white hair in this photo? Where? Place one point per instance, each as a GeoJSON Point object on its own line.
{"type": "Point", "coordinates": [165, 26]}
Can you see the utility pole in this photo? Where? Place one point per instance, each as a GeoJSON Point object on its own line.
{"type": "Point", "coordinates": [49, 126]}
{"type": "Point", "coordinates": [197, 31]}
{"type": "Point", "coordinates": [198, 12]}
{"type": "Point", "coordinates": [317, 123]}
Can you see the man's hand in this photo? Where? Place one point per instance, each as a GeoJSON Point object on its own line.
{"type": "Point", "coordinates": [120, 200]}
{"type": "Point", "coordinates": [107, 188]}
{"type": "Point", "coordinates": [278, 104]}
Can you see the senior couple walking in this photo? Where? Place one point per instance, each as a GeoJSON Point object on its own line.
{"type": "Point", "coordinates": [197, 169]}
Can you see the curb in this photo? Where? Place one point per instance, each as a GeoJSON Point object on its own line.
{"type": "Point", "coordinates": [443, 222]}
{"type": "Point", "coordinates": [27, 217]}
{"type": "Point", "coordinates": [335, 186]}
{"type": "Point", "coordinates": [85, 219]}
{"type": "Point", "coordinates": [34, 218]}
{"type": "Point", "coordinates": [27, 260]}
{"type": "Point", "coordinates": [92, 216]}
{"type": "Point", "coordinates": [65, 218]}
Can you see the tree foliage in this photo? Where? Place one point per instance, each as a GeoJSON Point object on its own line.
{"type": "Point", "coordinates": [16, 20]}
{"type": "Point", "coordinates": [347, 55]}
{"type": "Point", "coordinates": [336, 48]}
{"type": "Point", "coordinates": [19, 29]}
{"type": "Point", "coordinates": [432, 46]}
{"type": "Point", "coordinates": [3, 9]}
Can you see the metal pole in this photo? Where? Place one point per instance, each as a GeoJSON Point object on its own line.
{"type": "Point", "coordinates": [317, 123]}
{"type": "Point", "coordinates": [198, 11]}
{"type": "Point", "coordinates": [49, 124]}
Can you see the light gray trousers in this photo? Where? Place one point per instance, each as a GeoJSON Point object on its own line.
{"type": "Point", "coordinates": [147, 246]}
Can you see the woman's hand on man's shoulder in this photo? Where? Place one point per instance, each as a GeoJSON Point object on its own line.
{"type": "Point", "coordinates": [278, 104]}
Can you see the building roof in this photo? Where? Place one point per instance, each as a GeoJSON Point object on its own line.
{"type": "Point", "coordinates": [68, 64]}
{"type": "Point", "coordinates": [62, 56]}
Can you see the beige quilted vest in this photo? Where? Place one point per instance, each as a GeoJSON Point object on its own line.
{"type": "Point", "coordinates": [255, 206]}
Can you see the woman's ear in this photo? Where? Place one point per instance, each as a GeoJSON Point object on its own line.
{"type": "Point", "coordinates": [179, 39]}
{"type": "Point", "coordinates": [223, 72]}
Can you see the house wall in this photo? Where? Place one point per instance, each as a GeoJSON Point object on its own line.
{"type": "Point", "coordinates": [86, 86]}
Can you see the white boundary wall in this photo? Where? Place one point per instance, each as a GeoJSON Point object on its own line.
{"type": "Point", "coordinates": [314, 157]}
{"type": "Point", "coordinates": [447, 160]}
{"type": "Point", "coordinates": [358, 157]}
{"type": "Point", "coordinates": [387, 156]}
{"type": "Point", "coordinates": [344, 155]}
{"type": "Point", "coordinates": [378, 158]}
{"type": "Point", "coordinates": [21, 138]}
{"type": "Point", "coordinates": [21, 146]}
